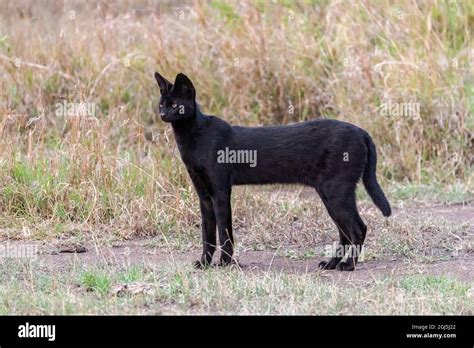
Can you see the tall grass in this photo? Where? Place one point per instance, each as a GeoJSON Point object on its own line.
{"type": "Point", "coordinates": [253, 63]}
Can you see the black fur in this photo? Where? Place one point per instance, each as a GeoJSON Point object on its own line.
{"type": "Point", "coordinates": [328, 155]}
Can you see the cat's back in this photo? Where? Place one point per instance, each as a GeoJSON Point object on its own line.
{"type": "Point", "coordinates": [310, 128]}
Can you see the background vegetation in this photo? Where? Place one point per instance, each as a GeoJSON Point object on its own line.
{"type": "Point", "coordinates": [117, 176]}
{"type": "Point", "coordinates": [253, 63]}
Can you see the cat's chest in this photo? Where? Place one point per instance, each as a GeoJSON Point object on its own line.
{"type": "Point", "coordinates": [196, 154]}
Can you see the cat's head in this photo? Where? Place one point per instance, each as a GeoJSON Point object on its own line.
{"type": "Point", "coordinates": [177, 101]}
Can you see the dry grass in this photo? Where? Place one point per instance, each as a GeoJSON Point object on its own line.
{"type": "Point", "coordinates": [252, 62]}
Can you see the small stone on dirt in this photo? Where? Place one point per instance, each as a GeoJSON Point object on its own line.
{"type": "Point", "coordinates": [72, 249]}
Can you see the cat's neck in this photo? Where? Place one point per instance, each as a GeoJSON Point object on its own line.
{"type": "Point", "coordinates": [185, 128]}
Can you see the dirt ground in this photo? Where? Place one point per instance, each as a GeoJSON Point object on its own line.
{"type": "Point", "coordinates": [259, 261]}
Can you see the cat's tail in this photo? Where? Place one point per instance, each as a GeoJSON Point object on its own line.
{"type": "Point", "coordinates": [370, 179]}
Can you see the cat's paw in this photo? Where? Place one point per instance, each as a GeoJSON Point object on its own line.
{"type": "Point", "coordinates": [328, 265]}
{"type": "Point", "coordinates": [200, 265]}
{"type": "Point", "coordinates": [226, 262]}
{"type": "Point", "coordinates": [345, 266]}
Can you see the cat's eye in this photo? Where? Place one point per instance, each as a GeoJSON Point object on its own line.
{"type": "Point", "coordinates": [160, 105]}
{"type": "Point", "coordinates": [174, 105]}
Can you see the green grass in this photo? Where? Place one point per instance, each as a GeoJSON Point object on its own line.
{"type": "Point", "coordinates": [178, 289]}
{"type": "Point", "coordinates": [71, 286]}
{"type": "Point", "coordinates": [95, 281]}
{"type": "Point", "coordinates": [457, 192]}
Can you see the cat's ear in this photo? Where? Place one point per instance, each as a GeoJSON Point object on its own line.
{"type": "Point", "coordinates": [184, 87]}
{"type": "Point", "coordinates": [164, 84]}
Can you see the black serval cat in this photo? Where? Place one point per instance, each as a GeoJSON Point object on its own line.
{"type": "Point", "coordinates": [328, 155]}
